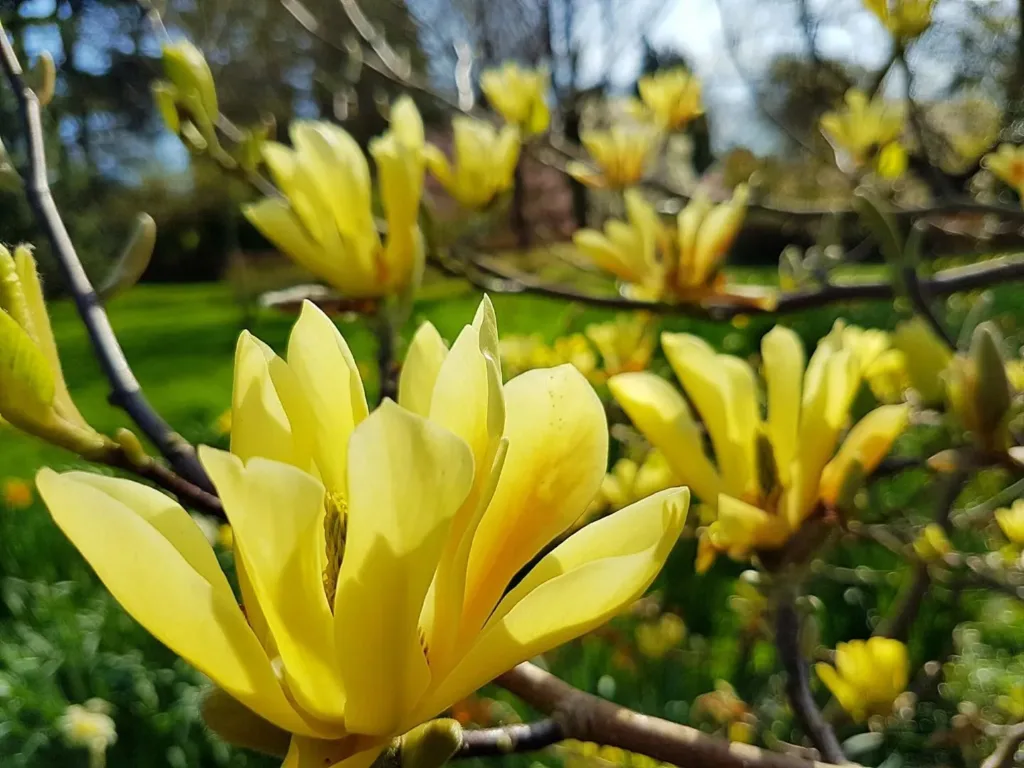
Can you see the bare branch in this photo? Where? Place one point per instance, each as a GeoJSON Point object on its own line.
{"type": "Point", "coordinates": [489, 277]}
{"type": "Point", "coordinates": [798, 684]}
{"type": "Point", "coordinates": [585, 717]}
{"type": "Point", "coordinates": [508, 739]}
{"type": "Point", "coordinates": [125, 390]}
{"type": "Point", "coordinates": [1005, 752]}
{"type": "Point", "coordinates": [897, 625]}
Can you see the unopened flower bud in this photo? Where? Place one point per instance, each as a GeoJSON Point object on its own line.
{"type": "Point", "coordinates": [133, 260]}
{"type": "Point", "coordinates": [992, 394]}
{"type": "Point", "coordinates": [186, 67]}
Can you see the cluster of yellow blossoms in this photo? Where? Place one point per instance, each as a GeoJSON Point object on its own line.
{"type": "Point", "coordinates": [770, 474]}
{"type": "Point", "coordinates": [620, 155]}
{"type": "Point", "coordinates": [655, 261]}
{"type": "Point", "coordinates": [375, 550]}
{"type": "Point", "coordinates": [868, 131]}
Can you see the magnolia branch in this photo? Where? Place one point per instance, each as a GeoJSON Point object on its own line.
{"type": "Point", "coordinates": [1006, 750]}
{"type": "Point", "coordinates": [125, 390]}
{"type": "Point", "coordinates": [798, 684]}
{"type": "Point", "coordinates": [493, 279]}
{"type": "Point", "coordinates": [505, 740]}
{"type": "Point", "coordinates": [585, 717]}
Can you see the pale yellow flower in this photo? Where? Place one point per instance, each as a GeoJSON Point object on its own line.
{"type": "Point", "coordinates": [905, 19]}
{"type": "Point", "coordinates": [926, 357]}
{"type": "Point", "coordinates": [887, 376]}
{"type": "Point", "coordinates": [868, 675]}
{"type": "Point", "coordinates": [325, 219]}
{"type": "Point", "coordinates": [683, 263]}
{"type": "Point", "coordinates": [863, 127]}
{"type": "Point", "coordinates": [632, 250]}
{"type": "Point", "coordinates": [33, 394]}
{"type": "Point", "coordinates": [705, 234]}
{"type": "Point", "coordinates": [518, 95]}
{"type": "Point", "coordinates": [1007, 164]}
{"type": "Point", "coordinates": [625, 343]}
{"type": "Point", "coordinates": [375, 551]}
{"type": "Point", "coordinates": [484, 163]}
{"type": "Point", "coordinates": [526, 353]}
{"type": "Point", "coordinates": [768, 475]}
{"type": "Point", "coordinates": [621, 155]}
{"type": "Point", "coordinates": [1011, 521]}
{"type": "Point", "coordinates": [672, 96]}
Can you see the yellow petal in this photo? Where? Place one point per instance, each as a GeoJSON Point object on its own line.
{"type": "Point", "coordinates": [328, 375]}
{"type": "Point", "coordinates": [664, 418]}
{"type": "Point", "coordinates": [845, 693]}
{"type": "Point", "coordinates": [277, 222]}
{"type": "Point", "coordinates": [338, 753]}
{"type": "Point", "coordinates": [167, 516]}
{"type": "Point", "coordinates": [783, 356]}
{"type": "Point", "coordinates": [28, 277]}
{"type": "Point", "coordinates": [744, 413]}
{"type": "Point", "coordinates": [407, 123]}
{"type": "Point", "coordinates": [709, 388]}
{"type": "Point", "coordinates": [407, 478]}
{"type": "Point", "coordinates": [742, 527]}
{"type": "Point", "coordinates": [867, 444]}
{"type": "Point", "coordinates": [558, 452]}
{"type": "Point", "coordinates": [427, 352]}
{"type": "Point", "coordinates": [259, 424]}
{"type": "Point", "coordinates": [891, 660]}
{"type": "Point", "coordinates": [159, 587]}
{"type": "Point", "coordinates": [636, 528]}
{"type": "Point", "coordinates": [571, 602]}
{"type": "Point", "coordinates": [276, 511]}
{"type": "Point", "coordinates": [27, 385]}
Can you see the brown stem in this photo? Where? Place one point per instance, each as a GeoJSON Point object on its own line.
{"type": "Point", "coordinates": [508, 739]}
{"type": "Point", "coordinates": [588, 718]}
{"type": "Point", "coordinates": [125, 390]}
{"type": "Point", "coordinates": [798, 684]}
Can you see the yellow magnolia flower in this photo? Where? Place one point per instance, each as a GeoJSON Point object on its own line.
{"type": "Point", "coordinates": [1011, 522]}
{"type": "Point", "coordinates": [768, 475]}
{"type": "Point", "coordinates": [654, 639]}
{"type": "Point", "coordinates": [484, 162]}
{"type": "Point", "coordinates": [375, 551]}
{"type": "Point", "coordinates": [705, 234]}
{"type": "Point", "coordinates": [887, 376]}
{"type": "Point", "coordinates": [868, 676]}
{"type": "Point", "coordinates": [681, 263]}
{"type": "Point", "coordinates": [518, 95]}
{"type": "Point", "coordinates": [632, 250]}
{"type": "Point", "coordinates": [932, 543]}
{"type": "Point", "coordinates": [625, 343]}
{"type": "Point", "coordinates": [863, 128]}
{"type": "Point", "coordinates": [1007, 164]}
{"type": "Point", "coordinates": [33, 394]}
{"type": "Point", "coordinates": [905, 19]}
{"type": "Point", "coordinates": [325, 219]}
{"type": "Point", "coordinates": [621, 154]}
{"type": "Point", "coordinates": [926, 357]}
{"type": "Point", "coordinates": [673, 96]}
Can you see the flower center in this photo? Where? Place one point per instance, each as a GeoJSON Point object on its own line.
{"type": "Point", "coordinates": [335, 523]}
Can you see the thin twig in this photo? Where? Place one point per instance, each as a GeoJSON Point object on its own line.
{"type": "Point", "coordinates": [798, 684]}
{"type": "Point", "coordinates": [509, 739]}
{"type": "Point", "coordinates": [490, 278]}
{"type": "Point", "coordinates": [586, 717]}
{"type": "Point", "coordinates": [897, 625]}
{"type": "Point", "coordinates": [1005, 752]}
{"type": "Point", "coordinates": [125, 390]}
